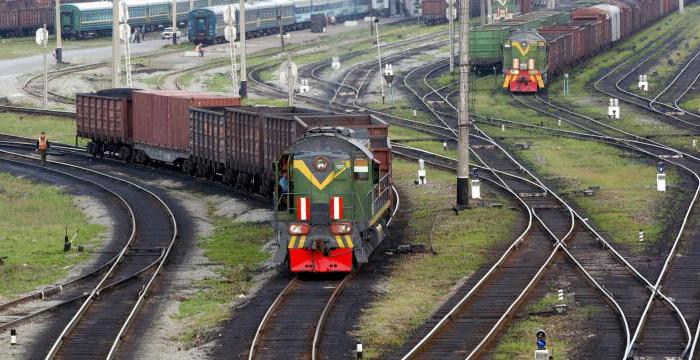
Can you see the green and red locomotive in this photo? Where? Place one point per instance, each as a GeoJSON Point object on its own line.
{"type": "Point", "coordinates": [334, 197]}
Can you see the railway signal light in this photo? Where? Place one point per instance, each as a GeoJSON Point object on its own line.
{"type": "Point", "coordinates": [541, 337]}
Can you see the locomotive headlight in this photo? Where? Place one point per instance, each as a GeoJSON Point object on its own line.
{"type": "Point", "coordinates": [341, 228]}
{"type": "Point", "coordinates": [299, 229]}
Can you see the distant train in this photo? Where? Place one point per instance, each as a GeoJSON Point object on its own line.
{"type": "Point", "coordinates": [207, 25]}
{"type": "Point", "coordinates": [532, 56]}
{"type": "Point", "coordinates": [205, 17]}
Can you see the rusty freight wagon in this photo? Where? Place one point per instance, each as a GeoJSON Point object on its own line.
{"type": "Point", "coordinates": [241, 144]}
{"type": "Point", "coordinates": [141, 125]}
{"type": "Point", "coordinates": [161, 122]}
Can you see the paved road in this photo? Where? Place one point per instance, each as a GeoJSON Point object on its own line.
{"type": "Point", "coordinates": [14, 71]}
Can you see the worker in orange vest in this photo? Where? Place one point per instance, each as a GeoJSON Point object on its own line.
{"type": "Point", "coordinates": [42, 146]}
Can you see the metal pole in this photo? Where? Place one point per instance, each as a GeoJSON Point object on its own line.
{"type": "Point", "coordinates": [174, 36]}
{"type": "Point", "coordinates": [463, 127]}
{"type": "Point", "coordinates": [279, 23]}
{"type": "Point", "coordinates": [489, 12]}
{"type": "Point", "coordinates": [241, 31]}
{"type": "Point", "coordinates": [450, 9]}
{"type": "Point", "coordinates": [379, 58]}
{"type": "Point", "coordinates": [46, 73]}
{"type": "Point", "coordinates": [115, 44]}
{"type": "Point", "coordinates": [290, 82]}
{"type": "Point", "coordinates": [57, 22]}
{"type": "Point", "coordinates": [482, 11]}
{"type": "Point", "coordinates": [681, 7]}
{"type": "Point", "coordinates": [232, 50]}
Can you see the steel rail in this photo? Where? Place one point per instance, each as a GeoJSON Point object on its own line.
{"type": "Point", "coordinates": [324, 314]}
{"type": "Point", "coordinates": [672, 82]}
{"type": "Point", "coordinates": [268, 315]}
{"type": "Point", "coordinates": [655, 288]}
{"type": "Point", "coordinates": [98, 288]}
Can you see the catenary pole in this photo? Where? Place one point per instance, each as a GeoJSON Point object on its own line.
{"type": "Point", "coordinates": [241, 32]}
{"type": "Point", "coordinates": [463, 126]}
{"type": "Point", "coordinates": [174, 35]}
{"type": "Point", "coordinates": [115, 44]}
{"type": "Point", "coordinates": [57, 29]}
{"type": "Point", "coordinates": [450, 18]}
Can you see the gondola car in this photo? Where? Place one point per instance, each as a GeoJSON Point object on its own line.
{"type": "Point", "coordinates": [332, 207]}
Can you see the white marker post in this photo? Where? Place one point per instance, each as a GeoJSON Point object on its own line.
{"type": "Point", "coordinates": [13, 337]}
{"type": "Point", "coordinates": [421, 172]}
{"type": "Point", "coordinates": [476, 189]}
{"type": "Point", "coordinates": [643, 83]}
{"type": "Point", "coordinates": [641, 235]}
{"type": "Point", "coordinates": [335, 63]}
{"type": "Point", "coordinates": [358, 350]}
{"type": "Point", "coordinates": [42, 39]}
{"type": "Point", "coordinates": [304, 86]}
{"type": "Point", "coordinates": [695, 143]}
{"type": "Point", "coordinates": [660, 178]}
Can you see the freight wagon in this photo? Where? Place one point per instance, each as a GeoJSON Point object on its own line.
{"type": "Point", "coordinates": [24, 17]}
{"type": "Point", "coordinates": [329, 175]}
{"type": "Point", "coordinates": [141, 126]}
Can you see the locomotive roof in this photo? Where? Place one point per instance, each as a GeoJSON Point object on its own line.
{"type": "Point", "coordinates": [526, 36]}
{"type": "Point", "coordinates": [341, 133]}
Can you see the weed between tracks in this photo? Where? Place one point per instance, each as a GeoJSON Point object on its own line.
{"type": "Point", "coordinates": [57, 129]}
{"type": "Point", "coordinates": [627, 200]}
{"type": "Point", "coordinates": [419, 284]}
{"type": "Point", "coordinates": [33, 218]}
{"type": "Point", "coordinates": [237, 248]}
{"type": "Point", "coordinates": [21, 47]}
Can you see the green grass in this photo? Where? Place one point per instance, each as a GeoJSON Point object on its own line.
{"type": "Point", "coordinates": [20, 47]}
{"type": "Point", "coordinates": [627, 201]}
{"type": "Point", "coordinates": [237, 248]}
{"type": "Point", "coordinates": [264, 102]}
{"type": "Point", "coordinates": [186, 79]}
{"type": "Point", "coordinates": [57, 129]}
{"type": "Point", "coordinates": [419, 284]}
{"type": "Point", "coordinates": [33, 218]}
{"type": "Point", "coordinates": [692, 103]}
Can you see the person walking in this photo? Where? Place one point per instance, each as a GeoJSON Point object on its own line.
{"type": "Point", "coordinates": [42, 146]}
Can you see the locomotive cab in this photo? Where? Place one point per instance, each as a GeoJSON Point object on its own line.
{"type": "Point", "coordinates": [329, 204]}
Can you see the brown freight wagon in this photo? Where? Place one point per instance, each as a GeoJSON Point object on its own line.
{"type": "Point", "coordinates": [35, 18]}
{"type": "Point", "coordinates": [9, 21]}
{"type": "Point", "coordinates": [594, 14]}
{"type": "Point", "coordinates": [106, 120]}
{"type": "Point", "coordinates": [161, 122]}
{"type": "Point", "coordinates": [256, 136]}
{"type": "Point", "coordinates": [578, 45]}
{"type": "Point", "coordinates": [559, 52]}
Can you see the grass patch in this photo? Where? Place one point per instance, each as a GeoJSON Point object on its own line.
{"type": "Point", "coordinates": [57, 129]}
{"type": "Point", "coordinates": [20, 47]}
{"type": "Point", "coordinates": [33, 218]}
{"type": "Point", "coordinates": [627, 200]}
{"type": "Point", "coordinates": [418, 285]}
{"type": "Point", "coordinates": [237, 248]}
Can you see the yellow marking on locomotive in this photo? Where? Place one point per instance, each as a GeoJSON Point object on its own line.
{"type": "Point", "coordinates": [301, 166]}
{"type": "Point", "coordinates": [379, 213]}
{"type": "Point", "coordinates": [340, 241]}
{"type": "Point", "coordinates": [302, 240]}
{"type": "Point", "coordinates": [506, 81]}
{"type": "Point", "coordinates": [292, 241]}
{"type": "Point", "coordinates": [348, 239]}
{"type": "Point", "coordinates": [520, 48]}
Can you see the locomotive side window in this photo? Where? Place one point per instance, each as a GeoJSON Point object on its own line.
{"type": "Point", "coordinates": [375, 172]}
{"type": "Point", "coordinates": [360, 169]}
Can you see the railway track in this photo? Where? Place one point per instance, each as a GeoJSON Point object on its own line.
{"type": "Point", "coordinates": [293, 325]}
{"type": "Point", "coordinates": [109, 307]}
{"type": "Point", "coordinates": [59, 296]}
{"type": "Point", "coordinates": [479, 346]}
